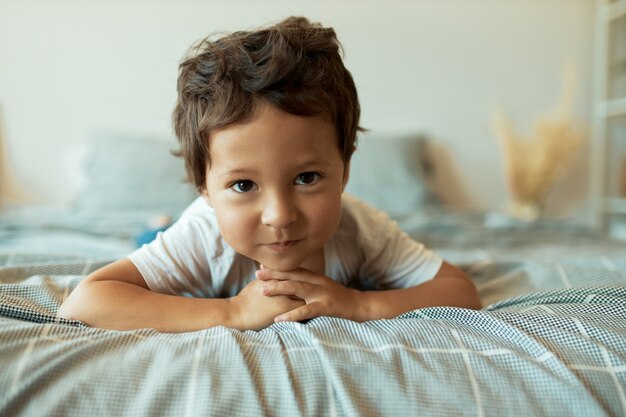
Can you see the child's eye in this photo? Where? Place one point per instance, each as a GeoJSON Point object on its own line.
{"type": "Point", "coordinates": [243, 186]}
{"type": "Point", "coordinates": [307, 178]}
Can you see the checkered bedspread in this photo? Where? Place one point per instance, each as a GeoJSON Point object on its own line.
{"type": "Point", "coordinates": [552, 343]}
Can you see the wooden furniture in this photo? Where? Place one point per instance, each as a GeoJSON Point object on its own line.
{"type": "Point", "coordinates": [608, 165]}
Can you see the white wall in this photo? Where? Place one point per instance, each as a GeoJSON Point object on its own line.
{"type": "Point", "coordinates": [70, 68]}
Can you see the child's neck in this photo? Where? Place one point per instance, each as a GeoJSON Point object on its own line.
{"type": "Point", "coordinates": [316, 263]}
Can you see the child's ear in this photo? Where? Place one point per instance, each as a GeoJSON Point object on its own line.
{"type": "Point", "coordinates": [205, 195]}
{"type": "Point", "coordinates": [346, 175]}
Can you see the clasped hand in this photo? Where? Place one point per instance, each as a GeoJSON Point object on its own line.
{"type": "Point", "coordinates": [321, 295]}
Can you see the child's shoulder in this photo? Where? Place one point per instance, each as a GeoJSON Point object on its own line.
{"type": "Point", "coordinates": [359, 218]}
{"type": "Point", "coordinates": [197, 230]}
{"type": "Point", "coordinates": [357, 206]}
{"type": "Point", "coordinates": [199, 205]}
{"type": "Point", "coordinates": [198, 214]}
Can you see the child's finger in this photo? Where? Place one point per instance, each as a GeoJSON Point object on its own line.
{"type": "Point", "coordinates": [266, 274]}
{"type": "Point", "coordinates": [304, 312]}
{"type": "Point", "coordinates": [295, 275]}
{"type": "Point", "coordinates": [300, 289]}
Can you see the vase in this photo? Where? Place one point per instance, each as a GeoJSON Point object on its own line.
{"type": "Point", "coordinates": [528, 211]}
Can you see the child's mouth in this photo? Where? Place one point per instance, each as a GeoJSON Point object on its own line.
{"type": "Point", "coordinates": [282, 246]}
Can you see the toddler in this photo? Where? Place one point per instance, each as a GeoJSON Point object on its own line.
{"type": "Point", "coordinates": [267, 122]}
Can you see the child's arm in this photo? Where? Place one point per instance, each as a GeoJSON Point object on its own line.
{"type": "Point", "coordinates": [117, 297]}
{"type": "Point", "coordinates": [323, 296]}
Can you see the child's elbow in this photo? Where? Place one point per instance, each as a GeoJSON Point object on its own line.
{"type": "Point", "coordinates": [462, 286]}
{"type": "Point", "coordinates": [472, 297]}
{"type": "Point", "coordinates": [475, 303]}
{"type": "Point", "coordinates": [65, 311]}
{"type": "Point", "coordinates": [74, 305]}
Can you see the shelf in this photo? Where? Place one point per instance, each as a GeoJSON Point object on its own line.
{"type": "Point", "coordinates": [615, 205]}
{"type": "Point", "coordinates": [617, 10]}
{"type": "Point", "coordinates": [612, 108]}
{"type": "Point", "coordinates": [608, 208]}
{"type": "Point", "coordinates": [612, 11]}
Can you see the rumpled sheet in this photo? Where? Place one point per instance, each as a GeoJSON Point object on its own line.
{"type": "Point", "coordinates": [548, 352]}
{"type": "Point", "coordinates": [550, 341]}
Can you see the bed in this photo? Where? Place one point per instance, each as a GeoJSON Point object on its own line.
{"type": "Point", "coordinates": [551, 339]}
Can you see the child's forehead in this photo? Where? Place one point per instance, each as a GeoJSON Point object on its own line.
{"type": "Point", "coordinates": [274, 139]}
{"type": "Point", "coordinates": [268, 122]}
{"type": "Point", "coordinates": [263, 112]}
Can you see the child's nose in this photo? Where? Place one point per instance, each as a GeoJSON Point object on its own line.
{"type": "Point", "coordinates": [278, 211]}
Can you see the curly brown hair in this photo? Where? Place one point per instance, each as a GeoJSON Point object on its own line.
{"type": "Point", "coordinates": [294, 65]}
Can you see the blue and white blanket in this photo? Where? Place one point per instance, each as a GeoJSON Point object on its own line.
{"type": "Point", "coordinates": [550, 341]}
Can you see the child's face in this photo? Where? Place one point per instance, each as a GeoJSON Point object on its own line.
{"type": "Point", "coordinates": [275, 184]}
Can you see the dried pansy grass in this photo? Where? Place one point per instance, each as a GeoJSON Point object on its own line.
{"type": "Point", "coordinates": [535, 163]}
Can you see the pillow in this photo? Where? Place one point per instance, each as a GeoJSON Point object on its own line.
{"type": "Point", "coordinates": [390, 172]}
{"type": "Point", "coordinates": [132, 173]}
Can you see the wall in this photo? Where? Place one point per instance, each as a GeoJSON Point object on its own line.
{"type": "Point", "coordinates": [71, 68]}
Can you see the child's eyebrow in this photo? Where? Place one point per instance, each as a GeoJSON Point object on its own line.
{"type": "Point", "coordinates": [243, 172]}
{"type": "Point", "coordinates": [237, 172]}
{"type": "Point", "coordinates": [309, 162]}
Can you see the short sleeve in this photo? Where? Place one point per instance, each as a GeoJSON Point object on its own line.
{"type": "Point", "coordinates": [390, 258]}
{"type": "Point", "coordinates": [177, 261]}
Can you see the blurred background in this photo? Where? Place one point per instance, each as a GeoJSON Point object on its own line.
{"type": "Point", "coordinates": [70, 69]}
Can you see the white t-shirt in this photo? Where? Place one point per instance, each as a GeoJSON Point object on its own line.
{"type": "Point", "coordinates": [368, 251]}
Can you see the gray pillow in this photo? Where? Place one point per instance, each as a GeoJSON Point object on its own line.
{"type": "Point", "coordinates": [132, 173]}
{"type": "Point", "coordinates": [391, 173]}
